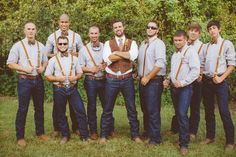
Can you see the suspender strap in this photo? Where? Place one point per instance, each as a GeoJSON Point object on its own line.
{"type": "Point", "coordinates": [71, 65]}
{"type": "Point", "coordinates": [218, 58]}
{"type": "Point", "coordinates": [199, 49]}
{"type": "Point", "coordinates": [144, 60]}
{"type": "Point", "coordinates": [62, 71]}
{"type": "Point", "coordinates": [90, 55]}
{"type": "Point", "coordinates": [180, 65]}
{"type": "Point", "coordinates": [73, 41]}
{"type": "Point", "coordinates": [27, 54]}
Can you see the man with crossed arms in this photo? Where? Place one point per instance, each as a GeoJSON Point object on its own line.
{"type": "Point", "coordinates": [118, 54]}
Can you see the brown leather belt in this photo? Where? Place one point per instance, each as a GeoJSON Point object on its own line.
{"type": "Point", "coordinates": [160, 78]}
{"type": "Point", "coordinates": [90, 77]}
{"type": "Point", "coordinates": [30, 77]}
{"type": "Point", "coordinates": [119, 77]}
{"type": "Point", "coordinates": [64, 86]}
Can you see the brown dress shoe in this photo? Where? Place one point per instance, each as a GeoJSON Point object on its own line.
{"type": "Point", "coordinates": [94, 136]}
{"type": "Point", "coordinates": [183, 151]}
{"type": "Point", "coordinates": [43, 137]}
{"type": "Point", "coordinates": [103, 140]}
{"type": "Point", "coordinates": [64, 140]}
{"type": "Point", "coordinates": [113, 134]}
{"type": "Point", "coordinates": [77, 132]}
{"type": "Point", "coordinates": [137, 140]}
{"type": "Point", "coordinates": [192, 137]}
{"type": "Point", "coordinates": [55, 134]}
{"type": "Point", "coordinates": [229, 148]}
{"type": "Point", "coordinates": [207, 141]}
{"type": "Point", "coordinates": [21, 142]}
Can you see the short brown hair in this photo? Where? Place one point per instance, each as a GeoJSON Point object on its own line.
{"type": "Point", "coordinates": [62, 37]}
{"type": "Point", "coordinates": [195, 25]}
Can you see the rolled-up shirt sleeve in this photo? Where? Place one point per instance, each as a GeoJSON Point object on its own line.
{"type": "Point", "coordinates": [106, 53]}
{"type": "Point", "coordinates": [78, 68]}
{"type": "Point", "coordinates": [50, 67]}
{"type": "Point", "coordinates": [13, 56]}
{"type": "Point", "coordinates": [82, 59]}
{"type": "Point", "coordinates": [160, 55]}
{"type": "Point", "coordinates": [194, 65]}
{"type": "Point", "coordinates": [49, 45]}
{"type": "Point", "coordinates": [230, 54]}
{"type": "Point", "coordinates": [133, 51]}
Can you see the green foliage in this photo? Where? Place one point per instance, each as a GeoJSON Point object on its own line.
{"type": "Point", "coordinates": [171, 15]}
{"type": "Point", "coordinates": [122, 146]}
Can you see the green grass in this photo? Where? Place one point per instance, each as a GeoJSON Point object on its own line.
{"type": "Point", "coordinates": [120, 146]}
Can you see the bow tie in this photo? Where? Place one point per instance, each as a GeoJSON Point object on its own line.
{"type": "Point", "coordinates": [213, 42]}
{"type": "Point", "coordinates": [31, 42]}
{"type": "Point", "coordinates": [64, 33]}
{"type": "Point", "coordinates": [190, 42]}
{"type": "Point", "coordinates": [64, 54]}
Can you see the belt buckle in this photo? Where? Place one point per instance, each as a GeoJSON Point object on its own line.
{"type": "Point", "coordinates": [67, 85]}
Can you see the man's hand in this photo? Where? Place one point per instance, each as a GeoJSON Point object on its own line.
{"type": "Point", "coordinates": [177, 84]}
{"type": "Point", "coordinates": [40, 69]}
{"type": "Point", "coordinates": [199, 79]}
{"type": "Point", "coordinates": [217, 79]}
{"type": "Point", "coordinates": [94, 69]}
{"type": "Point", "coordinates": [73, 78]}
{"type": "Point", "coordinates": [166, 83]}
{"type": "Point", "coordinates": [145, 80]}
{"type": "Point", "coordinates": [28, 69]}
{"type": "Point", "coordinates": [61, 78]}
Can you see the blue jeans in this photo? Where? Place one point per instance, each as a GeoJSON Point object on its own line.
{"type": "Point", "coordinates": [195, 107]}
{"type": "Point", "coordinates": [113, 87]}
{"type": "Point", "coordinates": [60, 97]}
{"type": "Point", "coordinates": [93, 89]}
{"type": "Point", "coordinates": [210, 90]}
{"type": "Point", "coordinates": [27, 88]}
{"type": "Point", "coordinates": [72, 117]}
{"type": "Point", "coordinates": [150, 98]}
{"type": "Point", "coordinates": [181, 100]}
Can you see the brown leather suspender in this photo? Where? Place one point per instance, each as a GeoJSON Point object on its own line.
{"type": "Point", "coordinates": [180, 65]}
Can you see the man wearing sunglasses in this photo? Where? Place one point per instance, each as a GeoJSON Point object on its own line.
{"type": "Point", "coordinates": [118, 54]}
{"type": "Point", "coordinates": [64, 71]}
{"type": "Point", "coordinates": [75, 45]}
{"type": "Point", "coordinates": [151, 70]}
{"type": "Point", "coordinates": [29, 59]}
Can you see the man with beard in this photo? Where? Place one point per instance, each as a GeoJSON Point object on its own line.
{"type": "Point", "coordinates": [93, 66]}
{"type": "Point", "coordinates": [151, 70]}
{"type": "Point", "coordinates": [29, 59]}
{"type": "Point", "coordinates": [64, 71]}
{"type": "Point", "coordinates": [185, 68]}
{"type": "Point", "coordinates": [118, 54]}
{"type": "Point", "coordinates": [75, 45]}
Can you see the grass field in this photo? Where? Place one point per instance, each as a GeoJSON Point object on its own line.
{"type": "Point", "coordinates": [121, 146]}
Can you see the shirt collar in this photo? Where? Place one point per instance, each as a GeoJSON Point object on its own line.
{"type": "Point", "coordinates": [117, 39]}
{"type": "Point", "coordinates": [29, 42]}
{"type": "Point", "coordinates": [216, 41]}
{"type": "Point", "coordinates": [182, 49]}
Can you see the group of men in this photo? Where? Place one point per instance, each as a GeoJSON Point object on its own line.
{"type": "Point", "coordinates": [197, 70]}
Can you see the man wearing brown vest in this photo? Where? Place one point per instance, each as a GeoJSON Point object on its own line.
{"type": "Point", "coordinates": [118, 54]}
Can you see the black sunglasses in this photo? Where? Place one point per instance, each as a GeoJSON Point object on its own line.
{"type": "Point", "coordinates": [62, 44]}
{"type": "Point", "coordinates": [152, 27]}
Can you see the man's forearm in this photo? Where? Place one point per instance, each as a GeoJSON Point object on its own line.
{"type": "Point", "coordinates": [114, 58]}
{"type": "Point", "coordinates": [125, 55]}
{"type": "Point", "coordinates": [154, 72]}
{"type": "Point", "coordinates": [15, 66]}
